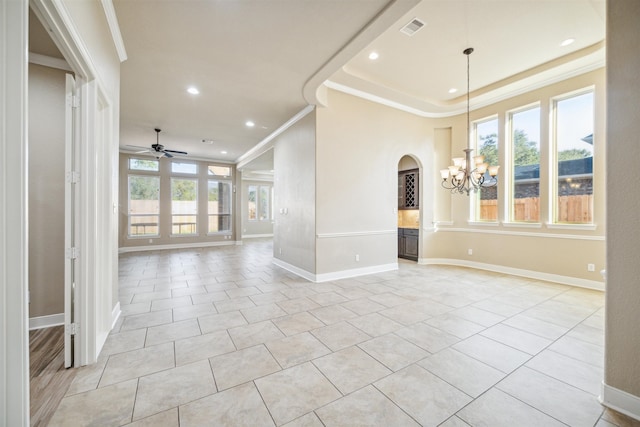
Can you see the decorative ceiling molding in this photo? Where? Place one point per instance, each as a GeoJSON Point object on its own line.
{"type": "Point", "coordinates": [112, 20]}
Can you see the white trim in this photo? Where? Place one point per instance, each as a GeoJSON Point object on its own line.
{"type": "Point", "coordinates": [256, 236]}
{"type": "Point", "coordinates": [522, 233]}
{"type": "Point", "coordinates": [345, 274]}
{"type": "Point", "coordinates": [483, 223]}
{"type": "Point", "coordinates": [335, 275]}
{"type": "Point", "coordinates": [516, 224]}
{"type": "Point", "coordinates": [356, 233]}
{"type": "Point", "coordinates": [620, 401]}
{"type": "Point", "coordinates": [42, 322]}
{"type": "Point", "coordinates": [262, 146]}
{"type": "Point", "coordinates": [14, 214]}
{"type": "Point", "coordinates": [112, 20]}
{"type": "Point", "coordinates": [538, 275]}
{"type": "Point", "coordinates": [126, 249]}
{"type": "Point", "coordinates": [436, 224]}
{"type": "Point", "coordinates": [115, 314]}
{"type": "Point", "coordinates": [587, 227]}
{"type": "Point", "coordinates": [49, 61]}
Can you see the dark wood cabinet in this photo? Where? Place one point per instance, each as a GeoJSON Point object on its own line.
{"type": "Point", "coordinates": [408, 243]}
{"type": "Point", "coordinates": [408, 194]}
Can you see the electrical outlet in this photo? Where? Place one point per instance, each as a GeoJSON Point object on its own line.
{"type": "Point", "coordinates": [591, 267]}
{"type": "Point", "coordinates": [469, 251]}
{"type": "Point", "coordinates": [279, 251]}
{"type": "Point", "coordinates": [150, 240]}
{"type": "Point", "coordinates": [357, 257]}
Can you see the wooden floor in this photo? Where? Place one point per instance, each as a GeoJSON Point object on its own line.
{"type": "Point", "coordinates": [48, 378]}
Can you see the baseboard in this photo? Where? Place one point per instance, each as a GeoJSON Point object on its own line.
{"type": "Point", "coordinates": [295, 270]}
{"type": "Point", "coordinates": [115, 314]}
{"type": "Point", "coordinates": [345, 274]}
{"type": "Point", "coordinates": [42, 322]}
{"type": "Point", "coordinates": [335, 275]}
{"type": "Point", "coordinates": [538, 275]}
{"type": "Point", "coordinates": [620, 401]}
{"type": "Point", "coordinates": [126, 249]}
{"type": "Point", "coordinates": [256, 236]}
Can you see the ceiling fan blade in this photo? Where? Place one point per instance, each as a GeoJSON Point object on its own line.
{"type": "Point", "coordinates": [176, 152]}
{"type": "Point", "coordinates": [137, 148]}
{"type": "Point", "coordinates": [167, 154]}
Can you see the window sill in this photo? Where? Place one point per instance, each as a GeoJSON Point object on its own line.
{"type": "Point", "coordinates": [484, 223]}
{"type": "Point", "coordinates": [586, 227]}
{"type": "Point", "coordinates": [522, 224]}
{"type": "Point", "coordinates": [184, 235]}
{"type": "Point", "coordinates": [146, 236]}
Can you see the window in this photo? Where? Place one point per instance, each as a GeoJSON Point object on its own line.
{"type": "Point", "coordinates": [178, 167]}
{"type": "Point", "coordinates": [144, 165]}
{"type": "Point", "coordinates": [486, 142]}
{"type": "Point", "coordinates": [219, 206]}
{"type": "Point", "coordinates": [573, 131]}
{"type": "Point", "coordinates": [184, 206]}
{"type": "Point", "coordinates": [144, 205]}
{"type": "Point", "coordinates": [525, 158]}
{"type": "Point", "coordinates": [224, 171]}
{"type": "Point", "coordinates": [259, 202]}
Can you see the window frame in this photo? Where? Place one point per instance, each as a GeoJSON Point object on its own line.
{"type": "Point", "coordinates": [194, 225]}
{"type": "Point", "coordinates": [149, 174]}
{"type": "Point", "coordinates": [509, 177]}
{"type": "Point", "coordinates": [258, 205]}
{"type": "Point", "coordinates": [215, 178]}
{"type": "Point", "coordinates": [554, 162]}
{"type": "Point", "coordinates": [475, 204]}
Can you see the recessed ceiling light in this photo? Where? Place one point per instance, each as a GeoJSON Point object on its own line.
{"type": "Point", "coordinates": [453, 90]}
{"type": "Point", "coordinates": [223, 152]}
{"type": "Point", "coordinates": [250, 124]}
{"type": "Point", "coordinates": [207, 141]}
{"type": "Point", "coordinates": [193, 90]}
{"type": "Point", "coordinates": [567, 42]}
{"type": "Point", "coordinates": [373, 56]}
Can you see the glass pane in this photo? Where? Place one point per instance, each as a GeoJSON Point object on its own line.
{"type": "Point", "coordinates": [252, 194]}
{"type": "Point", "coordinates": [487, 145]}
{"type": "Point", "coordinates": [144, 165]}
{"type": "Point", "coordinates": [574, 155]}
{"type": "Point", "coordinates": [219, 202]}
{"type": "Point", "coordinates": [178, 167]}
{"type": "Point", "coordinates": [219, 170]}
{"type": "Point", "coordinates": [525, 140]}
{"type": "Point", "coordinates": [265, 196]}
{"type": "Point", "coordinates": [219, 223]}
{"type": "Point", "coordinates": [184, 205]}
{"type": "Point", "coordinates": [144, 205]}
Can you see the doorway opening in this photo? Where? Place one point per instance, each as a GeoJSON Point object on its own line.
{"type": "Point", "coordinates": [409, 208]}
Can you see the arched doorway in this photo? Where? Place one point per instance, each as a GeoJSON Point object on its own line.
{"type": "Point", "coordinates": [408, 208]}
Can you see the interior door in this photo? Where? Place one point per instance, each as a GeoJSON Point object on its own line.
{"type": "Point", "coordinates": [71, 197]}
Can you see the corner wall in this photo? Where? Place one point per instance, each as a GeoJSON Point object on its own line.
{"type": "Point", "coordinates": [294, 164]}
{"type": "Point", "coordinates": [621, 388]}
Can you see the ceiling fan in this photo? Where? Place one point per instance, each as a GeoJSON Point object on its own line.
{"type": "Point", "coordinates": [158, 149]}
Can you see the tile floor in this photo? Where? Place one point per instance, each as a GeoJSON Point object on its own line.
{"type": "Point", "coordinates": [222, 337]}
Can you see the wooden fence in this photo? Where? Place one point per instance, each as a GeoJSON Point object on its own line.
{"type": "Point", "coordinates": [571, 209]}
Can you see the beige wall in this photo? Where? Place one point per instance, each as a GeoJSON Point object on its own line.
{"type": "Point", "coordinates": [46, 190]}
{"type": "Point", "coordinates": [622, 340]}
{"type": "Point", "coordinates": [294, 161]}
{"type": "Point", "coordinates": [562, 252]}
{"type": "Point", "coordinates": [360, 144]}
{"type": "Point", "coordinates": [165, 237]}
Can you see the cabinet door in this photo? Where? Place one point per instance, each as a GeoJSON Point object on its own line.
{"type": "Point", "coordinates": [411, 190]}
{"type": "Point", "coordinates": [400, 243]}
{"type": "Point", "coordinates": [411, 247]}
{"type": "Point", "coordinates": [400, 191]}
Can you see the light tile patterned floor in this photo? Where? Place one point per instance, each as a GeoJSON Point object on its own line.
{"type": "Point", "coordinates": [222, 337]}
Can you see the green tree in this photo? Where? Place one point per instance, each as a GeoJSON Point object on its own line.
{"type": "Point", "coordinates": [183, 189]}
{"type": "Point", "coordinates": [525, 151]}
{"type": "Point", "coordinates": [573, 153]}
{"type": "Point", "coordinates": [489, 148]}
{"type": "Point", "coordinates": [144, 187]}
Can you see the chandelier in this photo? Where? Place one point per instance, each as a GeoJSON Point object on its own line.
{"type": "Point", "coordinates": [469, 173]}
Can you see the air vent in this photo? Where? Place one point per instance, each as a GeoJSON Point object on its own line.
{"type": "Point", "coordinates": [412, 27]}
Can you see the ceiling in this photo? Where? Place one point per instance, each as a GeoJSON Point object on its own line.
{"type": "Point", "coordinates": [263, 60]}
